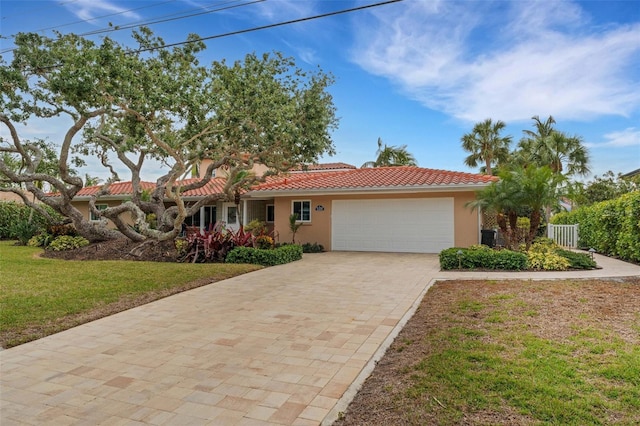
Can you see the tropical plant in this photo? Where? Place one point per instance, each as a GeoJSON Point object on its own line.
{"type": "Point", "coordinates": [23, 230]}
{"type": "Point", "coordinates": [501, 199]}
{"type": "Point", "coordinates": [294, 225]}
{"type": "Point", "coordinates": [67, 242]}
{"type": "Point", "coordinates": [520, 189]}
{"type": "Point", "coordinates": [538, 187]}
{"type": "Point", "coordinates": [214, 245]}
{"type": "Point", "coordinates": [549, 147]}
{"type": "Point", "coordinates": [391, 156]}
{"type": "Point", "coordinates": [486, 145]}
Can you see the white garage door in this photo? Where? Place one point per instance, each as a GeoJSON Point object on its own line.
{"type": "Point", "coordinates": [398, 225]}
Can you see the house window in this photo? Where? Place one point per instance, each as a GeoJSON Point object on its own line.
{"type": "Point", "coordinates": [271, 213]}
{"type": "Point", "coordinates": [93, 216]}
{"type": "Point", "coordinates": [303, 210]}
{"type": "Point", "coordinates": [232, 215]}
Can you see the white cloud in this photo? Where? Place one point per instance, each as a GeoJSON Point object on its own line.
{"type": "Point", "coordinates": [91, 9]}
{"type": "Point", "coordinates": [477, 59]}
{"type": "Point", "coordinates": [624, 138]}
{"type": "Point", "coordinates": [285, 9]}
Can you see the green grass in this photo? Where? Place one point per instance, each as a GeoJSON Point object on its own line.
{"type": "Point", "coordinates": [41, 296]}
{"type": "Point", "coordinates": [590, 378]}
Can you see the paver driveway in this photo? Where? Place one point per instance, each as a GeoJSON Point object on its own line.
{"type": "Point", "coordinates": [275, 346]}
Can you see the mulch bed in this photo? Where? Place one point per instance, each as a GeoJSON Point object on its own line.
{"type": "Point", "coordinates": [120, 249]}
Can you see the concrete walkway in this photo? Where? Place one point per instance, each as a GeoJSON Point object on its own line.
{"type": "Point", "coordinates": [287, 345]}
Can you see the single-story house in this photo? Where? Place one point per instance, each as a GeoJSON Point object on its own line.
{"type": "Point", "coordinates": [390, 209]}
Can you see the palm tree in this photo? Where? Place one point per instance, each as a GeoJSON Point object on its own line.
{"type": "Point", "coordinates": [91, 180]}
{"type": "Point", "coordinates": [486, 145]}
{"type": "Point", "coordinates": [549, 147]}
{"type": "Point", "coordinates": [538, 188]}
{"type": "Point", "coordinates": [546, 146]}
{"type": "Point", "coordinates": [391, 156]}
{"type": "Point", "coordinates": [530, 188]}
{"type": "Point", "coordinates": [500, 198]}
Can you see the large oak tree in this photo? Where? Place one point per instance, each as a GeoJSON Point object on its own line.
{"type": "Point", "coordinates": [130, 105]}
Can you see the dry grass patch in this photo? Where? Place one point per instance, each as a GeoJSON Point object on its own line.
{"type": "Point", "coordinates": [511, 352]}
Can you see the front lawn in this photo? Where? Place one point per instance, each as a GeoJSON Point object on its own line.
{"type": "Point", "coordinates": [511, 352]}
{"type": "Point", "coordinates": [43, 296]}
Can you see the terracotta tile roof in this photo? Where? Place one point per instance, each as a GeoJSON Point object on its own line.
{"type": "Point", "coordinates": [376, 178]}
{"type": "Point", "coordinates": [322, 167]}
{"type": "Point", "coordinates": [214, 186]}
{"type": "Point", "coordinates": [116, 188]}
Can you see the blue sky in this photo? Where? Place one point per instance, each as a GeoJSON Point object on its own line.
{"type": "Point", "coordinates": [416, 73]}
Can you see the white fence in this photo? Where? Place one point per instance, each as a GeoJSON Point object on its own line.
{"type": "Point", "coordinates": [563, 235]}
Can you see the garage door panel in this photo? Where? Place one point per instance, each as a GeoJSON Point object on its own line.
{"type": "Point", "coordinates": [400, 225]}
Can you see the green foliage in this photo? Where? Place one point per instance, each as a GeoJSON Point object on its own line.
{"type": "Point", "coordinates": [12, 212]}
{"type": "Point", "coordinates": [60, 230]}
{"type": "Point", "coordinates": [158, 102]}
{"type": "Point", "coordinates": [482, 257]}
{"type": "Point", "coordinates": [391, 156]}
{"type": "Point", "coordinates": [546, 255]}
{"type": "Point", "coordinates": [312, 248]}
{"type": "Point", "coordinates": [294, 225]}
{"type": "Point", "coordinates": [40, 240]}
{"type": "Point", "coordinates": [577, 260]}
{"type": "Point", "coordinates": [67, 242]}
{"type": "Point", "coordinates": [546, 260]}
{"type": "Point", "coordinates": [533, 188]}
{"type": "Point", "coordinates": [281, 255]}
{"type": "Point", "coordinates": [256, 227]}
{"type": "Point", "coordinates": [182, 245]}
{"type": "Point", "coordinates": [264, 242]}
{"type": "Point", "coordinates": [23, 230]}
{"type": "Point", "coordinates": [606, 187]}
{"type": "Point", "coordinates": [547, 146]}
{"type": "Point", "coordinates": [485, 144]}
{"type": "Point", "coordinates": [214, 245]}
{"type": "Point", "coordinates": [610, 227]}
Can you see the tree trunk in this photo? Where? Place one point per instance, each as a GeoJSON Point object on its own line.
{"type": "Point", "coordinates": [534, 223]}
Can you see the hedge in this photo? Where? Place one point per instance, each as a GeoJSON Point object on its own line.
{"type": "Point", "coordinates": [482, 257]}
{"type": "Point", "coordinates": [611, 227]}
{"type": "Point", "coordinates": [278, 256]}
{"type": "Point", "coordinates": [12, 213]}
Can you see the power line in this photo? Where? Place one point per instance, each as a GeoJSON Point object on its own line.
{"type": "Point", "coordinates": [248, 30]}
{"type": "Point", "coordinates": [168, 18]}
{"type": "Point", "coordinates": [104, 16]}
{"type": "Point", "coordinates": [279, 24]}
{"type": "Point", "coordinates": [175, 18]}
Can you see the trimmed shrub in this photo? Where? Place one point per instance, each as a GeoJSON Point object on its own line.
{"type": "Point", "coordinates": [611, 227]}
{"type": "Point", "coordinates": [67, 242]}
{"type": "Point", "coordinates": [312, 248]}
{"type": "Point", "coordinates": [547, 261]}
{"type": "Point", "coordinates": [577, 260]}
{"type": "Point", "coordinates": [509, 260]}
{"type": "Point", "coordinates": [284, 254]}
{"type": "Point", "coordinates": [482, 257]}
